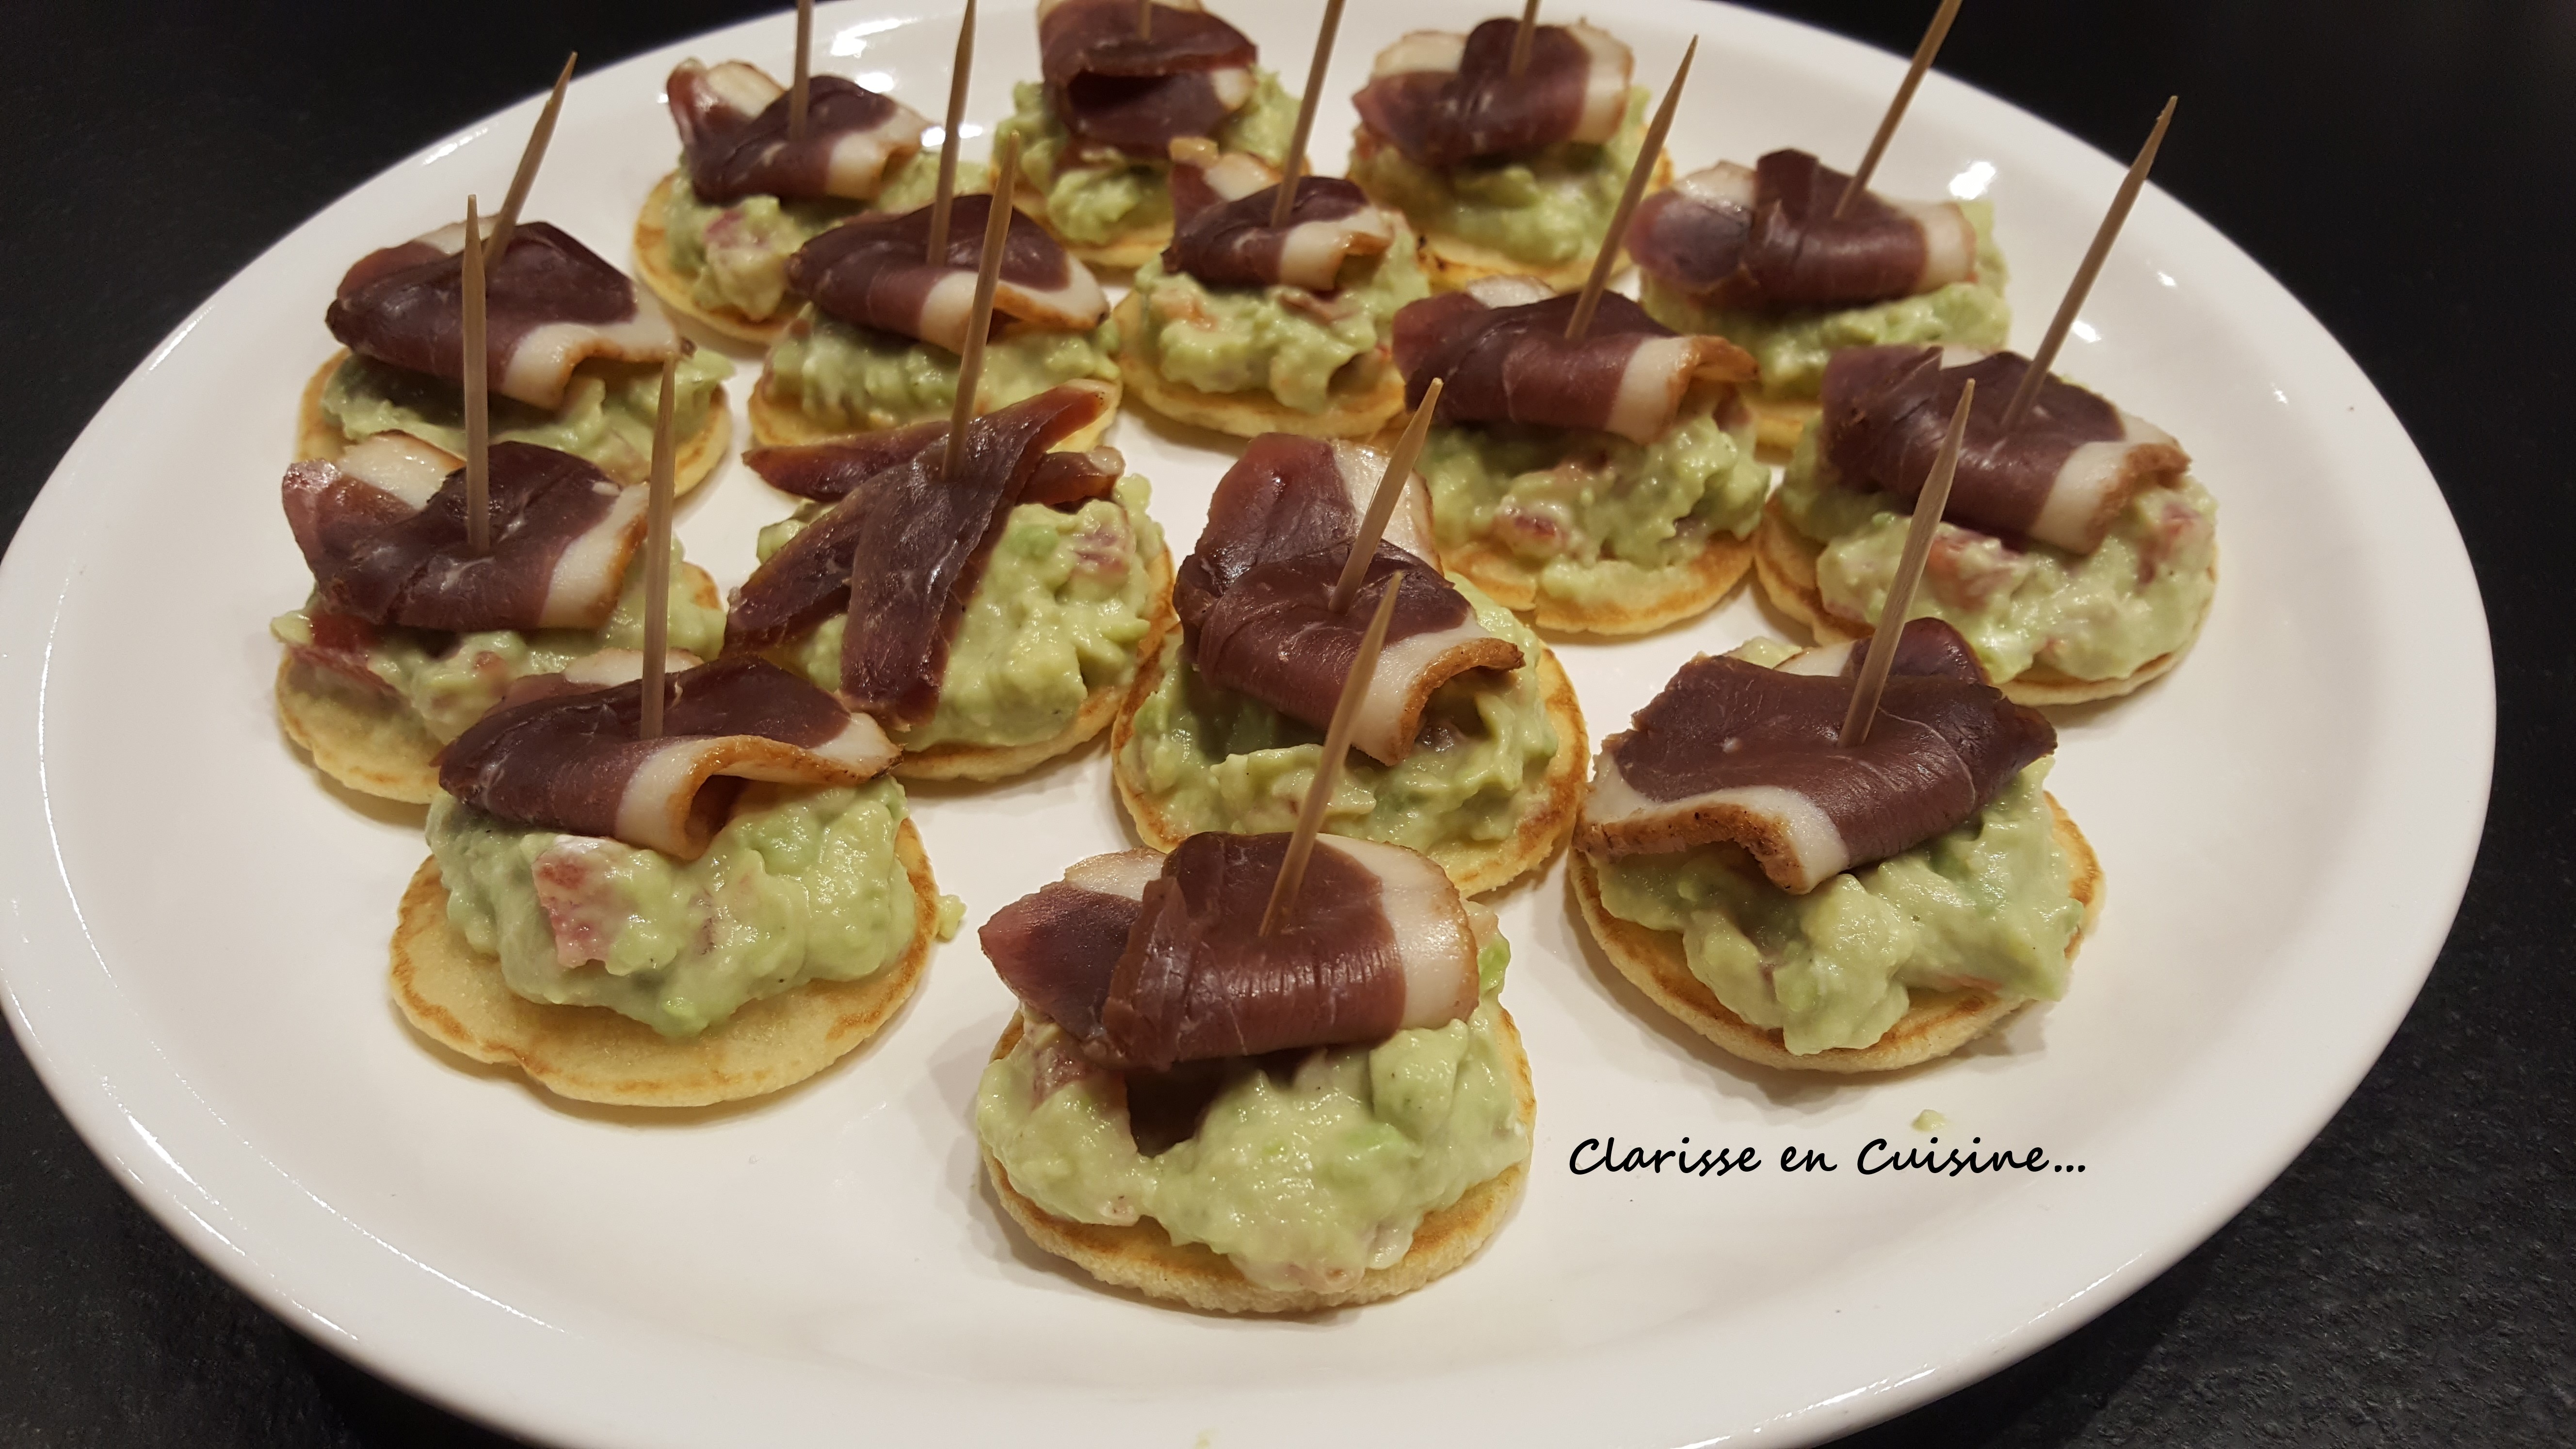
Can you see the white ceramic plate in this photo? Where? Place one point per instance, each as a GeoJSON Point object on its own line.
{"type": "Point", "coordinates": [195, 953]}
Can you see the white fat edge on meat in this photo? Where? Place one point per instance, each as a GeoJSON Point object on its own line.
{"type": "Point", "coordinates": [857, 165]}
{"type": "Point", "coordinates": [1825, 660]}
{"type": "Point", "coordinates": [541, 364]}
{"type": "Point", "coordinates": [1815, 844]}
{"type": "Point", "coordinates": [582, 591]}
{"type": "Point", "coordinates": [1722, 187]}
{"type": "Point", "coordinates": [1949, 243]}
{"type": "Point", "coordinates": [653, 812]}
{"type": "Point", "coordinates": [949, 308]}
{"type": "Point", "coordinates": [1407, 671]}
{"type": "Point", "coordinates": [1421, 50]}
{"type": "Point", "coordinates": [1232, 175]}
{"type": "Point", "coordinates": [1651, 387]}
{"type": "Point", "coordinates": [1408, 527]}
{"type": "Point", "coordinates": [608, 668]}
{"type": "Point", "coordinates": [1123, 873]}
{"type": "Point", "coordinates": [399, 464]}
{"type": "Point", "coordinates": [1605, 84]}
{"type": "Point", "coordinates": [1434, 940]}
{"type": "Point", "coordinates": [738, 85]}
{"type": "Point", "coordinates": [1235, 86]}
{"type": "Point", "coordinates": [1511, 291]}
{"type": "Point", "coordinates": [1312, 252]}
{"type": "Point", "coordinates": [2092, 484]}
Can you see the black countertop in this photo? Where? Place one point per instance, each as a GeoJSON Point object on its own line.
{"type": "Point", "coordinates": [2404, 168]}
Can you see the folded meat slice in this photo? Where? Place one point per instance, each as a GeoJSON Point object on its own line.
{"type": "Point", "coordinates": [1255, 596]}
{"type": "Point", "coordinates": [2061, 475]}
{"type": "Point", "coordinates": [733, 134]}
{"type": "Point", "coordinates": [570, 761]}
{"type": "Point", "coordinates": [1442, 98]}
{"type": "Point", "coordinates": [388, 550]}
{"type": "Point", "coordinates": [1767, 239]}
{"type": "Point", "coordinates": [1501, 345]}
{"type": "Point", "coordinates": [1733, 752]}
{"type": "Point", "coordinates": [902, 551]}
{"type": "Point", "coordinates": [869, 272]}
{"type": "Point", "coordinates": [1115, 88]}
{"type": "Point", "coordinates": [826, 472]}
{"type": "Point", "coordinates": [1379, 942]}
{"type": "Point", "coordinates": [549, 304]}
{"type": "Point", "coordinates": [1222, 234]}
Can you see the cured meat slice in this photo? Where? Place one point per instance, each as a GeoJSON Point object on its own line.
{"type": "Point", "coordinates": [1730, 751]}
{"type": "Point", "coordinates": [902, 551]}
{"type": "Point", "coordinates": [1222, 233]}
{"type": "Point", "coordinates": [1379, 942]}
{"type": "Point", "coordinates": [1442, 98]}
{"type": "Point", "coordinates": [1767, 239]}
{"type": "Point", "coordinates": [1254, 597]}
{"type": "Point", "coordinates": [826, 472]}
{"type": "Point", "coordinates": [549, 304]}
{"type": "Point", "coordinates": [1501, 345]}
{"type": "Point", "coordinates": [1114, 88]}
{"type": "Point", "coordinates": [733, 134]}
{"type": "Point", "coordinates": [2060, 476]}
{"type": "Point", "coordinates": [869, 272]}
{"type": "Point", "coordinates": [384, 552]}
{"type": "Point", "coordinates": [570, 761]}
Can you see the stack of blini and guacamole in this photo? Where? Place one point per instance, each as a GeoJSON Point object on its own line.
{"type": "Point", "coordinates": [1258, 1062]}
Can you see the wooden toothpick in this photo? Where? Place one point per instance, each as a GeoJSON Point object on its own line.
{"type": "Point", "coordinates": [800, 94]}
{"type": "Point", "coordinates": [949, 144]}
{"type": "Point", "coordinates": [478, 392]}
{"type": "Point", "coordinates": [1608, 259]}
{"type": "Point", "coordinates": [1328, 770]}
{"type": "Point", "coordinates": [1390, 487]}
{"type": "Point", "coordinates": [1144, 19]}
{"type": "Point", "coordinates": [1928, 505]}
{"type": "Point", "coordinates": [1523, 38]}
{"type": "Point", "coordinates": [529, 157]}
{"type": "Point", "coordinates": [1287, 199]}
{"type": "Point", "coordinates": [657, 559]}
{"type": "Point", "coordinates": [1923, 54]}
{"type": "Point", "coordinates": [970, 363]}
{"type": "Point", "coordinates": [2127, 196]}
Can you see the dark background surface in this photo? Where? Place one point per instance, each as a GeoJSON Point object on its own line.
{"type": "Point", "coordinates": [2404, 169]}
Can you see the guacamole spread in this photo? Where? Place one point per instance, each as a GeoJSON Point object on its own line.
{"type": "Point", "coordinates": [1063, 608]}
{"type": "Point", "coordinates": [1309, 351]}
{"type": "Point", "coordinates": [858, 380]}
{"type": "Point", "coordinates": [1984, 906]}
{"type": "Point", "coordinates": [606, 417]}
{"type": "Point", "coordinates": [1793, 347]}
{"type": "Point", "coordinates": [800, 885]}
{"type": "Point", "coordinates": [1547, 207]}
{"type": "Point", "coordinates": [735, 255]}
{"type": "Point", "coordinates": [2088, 616]}
{"type": "Point", "coordinates": [1587, 514]}
{"type": "Point", "coordinates": [1211, 759]}
{"type": "Point", "coordinates": [1097, 196]}
{"type": "Point", "coordinates": [450, 680]}
{"type": "Point", "coordinates": [1306, 1179]}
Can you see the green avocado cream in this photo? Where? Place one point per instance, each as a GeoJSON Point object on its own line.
{"type": "Point", "coordinates": [1306, 1181]}
{"type": "Point", "coordinates": [859, 380]}
{"type": "Point", "coordinates": [1096, 196]}
{"type": "Point", "coordinates": [1307, 350]}
{"type": "Point", "coordinates": [1545, 208]}
{"type": "Point", "coordinates": [1588, 514]}
{"type": "Point", "coordinates": [1062, 609]}
{"type": "Point", "coordinates": [1216, 760]}
{"type": "Point", "coordinates": [735, 255]}
{"type": "Point", "coordinates": [606, 417]}
{"type": "Point", "coordinates": [1984, 906]}
{"type": "Point", "coordinates": [800, 885]}
{"type": "Point", "coordinates": [1794, 347]}
{"type": "Point", "coordinates": [2088, 616]}
{"type": "Point", "coordinates": [450, 680]}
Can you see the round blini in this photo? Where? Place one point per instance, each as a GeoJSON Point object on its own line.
{"type": "Point", "coordinates": [1248, 414]}
{"type": "Point", "coordinates": [455, 996]}
{"type": "Point", "coordinates": [1143, 1257]}
{"type": "Point", "coordinates": [1475, 867]}
{"type": "Point", "coordinates": [653, 266]}
{"type": "Point", "coordinates": [957, 760]}
{"type": "Point", "coordinates": [1122, 253]}
{"type": "Point", "coordinates": [316, 436]}
{"type": "Point", "coordinates": [780, 423]}
{"type": "Point", "coordinates": [372, 742]}
{"type": "Point", "coordinates": [1935, 1024]}
{"type": "Point", "coordinates": [1664, 596]}
{"type": "Point", "coordinates": [1785, 561]}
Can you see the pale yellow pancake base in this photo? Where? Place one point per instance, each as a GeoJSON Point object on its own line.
{"type": "Point", "coordinates": [653, 266]}
{"type": "Point", "coordinates": [1671, 595]}
{"type": "Point", "coordinates": [1474, 867]}
{"type": "Point", "coordinates": [1785, 561]}
{"type": "Point", "coordinates": [777, 423]}
{"type": "Point", "coordinates": [1143, 1257]}
{"type": "Point", "coordinates": [372, 742]}
{"type": "Point", "coordinates": [456, 997]}
{"type": "Point", "coordinates": [1122, 253]}
{"type": "Point", "coordinates": [1779, 422]}
{"type": "Point", "coordinates": [1935, 1024]}
{"type": "Point", "coordinates": [1247, 414]}
{"type": "Point", "coordinates": [316, 436]}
